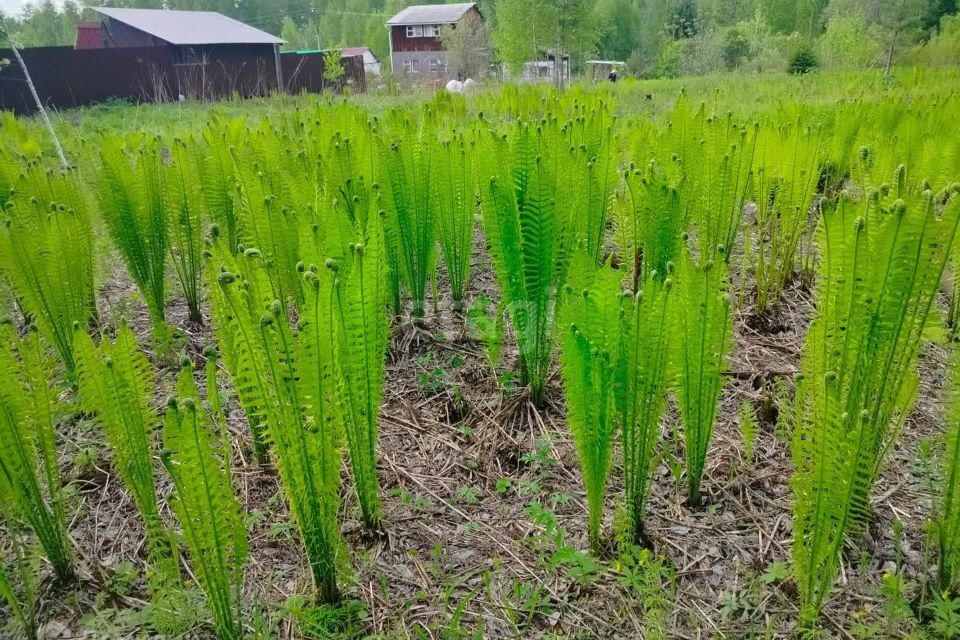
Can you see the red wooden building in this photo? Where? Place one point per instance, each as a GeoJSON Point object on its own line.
{"type": "Point", "coordinates": [415, 47]}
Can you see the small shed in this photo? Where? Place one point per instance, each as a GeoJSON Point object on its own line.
{"type": "Point", "coordinates": [371, 64]}
{"type": "Point", "coordinates": [416, 50]}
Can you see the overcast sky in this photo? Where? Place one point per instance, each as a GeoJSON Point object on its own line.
{"type": "Point", "coordinates": [12, 7]}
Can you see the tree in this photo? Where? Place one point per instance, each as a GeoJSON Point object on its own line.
{"type": "Point", "coordinates": [332, 67]}
{"type": "Point", "coordinates": [899, 22]}
{"type": "Point", "coordinates": [521, 31]}
{"type": "Point", "coordinates": [619, 24]}
{"type": "Point", "coordinates": [468, 47]}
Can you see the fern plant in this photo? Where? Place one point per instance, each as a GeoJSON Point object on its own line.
{"type": "Point", "coordinates": [185, 204]}
{"type": "Point", "coordinates": [643, 389]}
{"type": "Point", "coordinates": [408, 160]}
{"type": "Point", "coordinates": [131, 195]}
{"type": "Point", "coordinates": [882, 259]}
{"type": "Point", "coordinates": [116, 384]}
{"type": "Point", "coordinates": [29, 478]}
{"type": "Point", "coordinates": [525, 190]}
{"type": "Point", "coordinates": [287, 385]}
{"type": "Point", "coordinates": [456, 205]}
{"type": "Point", "coordinates": [590, 345]}
{"type": "Point", "coordinates": [650, 219]}
{"type": "Point", "coordinates": [46, 255]}
{"type": "Point", "coordinates": [212, 520]}
{"type": "Point", "coordinates": [701, 310]}
{"type": "Point", "coordinates": [786, 182]}
{"type": "Point", "coordinates": [362, 332]}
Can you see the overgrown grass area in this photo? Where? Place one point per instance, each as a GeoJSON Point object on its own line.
{"type": "Point", "coordinates": [659, 359]}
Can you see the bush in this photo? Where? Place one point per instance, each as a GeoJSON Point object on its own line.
{"type": "Point", "coordinates": [802, 61]}
{"type": "Point", "coordinates": [735, 48]}
{"type": "Point", "coordinates": [671, 58]}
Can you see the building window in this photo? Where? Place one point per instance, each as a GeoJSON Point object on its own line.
{"type": "Point", "coordinates": [414, 31]}
{"type": "Point", "coordinates": [438, 65]}
{"type": "Point", "coordinates": [431, 31]}
{"type": "Point", "coordinates": [410, 66]}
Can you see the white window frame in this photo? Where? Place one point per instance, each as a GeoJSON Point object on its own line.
{"type": "Point", "coordinates": [431, 31]}
{"type": "Point", "coordinates": [410, 66]}
{"type": "Point", "coordinates": [414, 30]}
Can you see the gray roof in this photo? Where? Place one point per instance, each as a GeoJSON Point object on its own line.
{"type": "Point", "coordinates": [431, 14]}
{"type": "Point", "coordinates": [190, 27]}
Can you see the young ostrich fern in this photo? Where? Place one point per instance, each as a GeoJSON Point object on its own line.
{"type": "Point", "coordinates": [701, 309]}
{"type": "Point", "coordinates": [882, 260]}
{"type": "Point", "coordinates": [116, 384]}
{"type": "Point", "coordinates": [456, 200]}
{"type": "Point", "coordinates": [46, 254]}
{"type": "Point", "coordinates": [287, 386]}
{"type": "Point", "coordinates": [359, 310]}
{"type": "Point", "coordinates": [29, 479]}
{"type": "Point", "coordinates": [590, 343]}
{"type": "Point", "coordinates": [186, 205]}
{"type": "Point", "coordinates": [642, 393]}
{"type": "Point", "coordinates": [526, 190]}
{"type": "Point", "coordinates": [131, 194]}
{"type": "Point", "coordinates": [408, 159]}
{"type": "Point", "coordinates": [212, 521]}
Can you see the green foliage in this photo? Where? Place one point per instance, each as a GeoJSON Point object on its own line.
{"type": "Point", "coordinates": [29, 479]}
{"type": "Point", "coordinates": [332, 67]}
{"type": "Point", "coordinates": [749, 430]}
{"type": "Point", "coordinates": [948, 515]}
{"type": "Point", "coordinates": [702, 314]}
{"type": "Point", "coordinates": [46, 255]}
{"type": "Point", "coordinates": [185, 206]}
{"type": "Point", "coordinates": [882, 260]}
{"type": "Point", "coordinates": [211, 518]}
{"type": "Point", "coordinates": [288, 388]}
{"type": "Point", "coordinates": [362, 333]}
{"type": "Point", "coordinates": [590, 344]}
{"type": "Point", "coordinates": [455, 182]}
{"type": "Point", "coordinates": [786, 182]}
{"type": "Point", "coordinates": [642, 390]}
{"type": "Point", "coordinates": [803, 60]}
{"type": "Point", "coordinates": [116, 384]}
{"type": "Point", "coordinates": [534, 190]}
{"type": "Point", "coordinates": [408, 159]}
{"type": "Point", "coordinates": [131, 196]}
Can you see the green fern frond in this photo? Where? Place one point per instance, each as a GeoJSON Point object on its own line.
{"type": "Point", "coordinates": [46, 254]}
{"type": "Point", "coordinates": [702, 316]}
{"type": "Point", "coordinates": [29, 480]}
{"type": "Point", "coordinates": [211, 518]}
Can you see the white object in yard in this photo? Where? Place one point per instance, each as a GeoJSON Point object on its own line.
{"type": "Point", "coordinates": [469, 84]}
{"type": "Point", "coordinates": [455, 86]}
{"type": "Point", "coordinates": [182, 98]}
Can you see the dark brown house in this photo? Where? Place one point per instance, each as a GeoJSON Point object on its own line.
{"type": "Point", "coordinates": [415, 47]}
{"type": "Point", "coordinates": [207, 49]}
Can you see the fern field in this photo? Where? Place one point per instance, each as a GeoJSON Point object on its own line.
{"type": "Point", "coordinates": [633, 360]}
